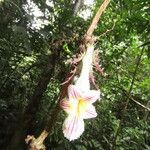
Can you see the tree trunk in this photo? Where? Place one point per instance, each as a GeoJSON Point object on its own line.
{"type": "Point", "coordinates": [28, 118]}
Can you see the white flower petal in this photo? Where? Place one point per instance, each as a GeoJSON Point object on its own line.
{"type": "Point", "coordinates": [90, 112]}
{"type": "Point", "coordinates": [73, 127]}
{"type": "Point", "coordinates": [92, 95]}
{"type": "Point", "coordinates": [73, 92]}
{"type": "Point", "coordinates": [65, 105]}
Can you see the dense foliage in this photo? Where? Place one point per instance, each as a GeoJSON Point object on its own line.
{"type": "Point", "coordinates": [33, 60]}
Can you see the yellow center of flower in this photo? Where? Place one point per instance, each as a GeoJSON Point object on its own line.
{"type": "Point", "coordinates": [81, 107]}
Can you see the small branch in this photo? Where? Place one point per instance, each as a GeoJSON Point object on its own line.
{"type": "Point", "coordinates": [147, 108]}
{"type": "Point", "coordinates": [131, 98]}
{"type": "Point", "coordinates": [97, 17]}
{"type": "Point", "coordinates": [108, 30]}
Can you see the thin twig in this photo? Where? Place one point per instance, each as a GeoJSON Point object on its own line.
{"type": "Point", "coordinates": [108, 30]}
{"type": "Point", "coordinates": [147, 108]}
{"type": "Point", "coordinates": [131, 98]}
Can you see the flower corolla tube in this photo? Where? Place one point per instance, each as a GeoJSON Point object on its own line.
{"type": "Point", "coordinates": [79, 104]}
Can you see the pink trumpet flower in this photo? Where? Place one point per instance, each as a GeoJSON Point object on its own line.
{"type": "Point", "coordinates": [79, 104]}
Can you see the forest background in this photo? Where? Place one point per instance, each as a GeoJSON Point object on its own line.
{"type": "Point", "coordinates": [33, 55]}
